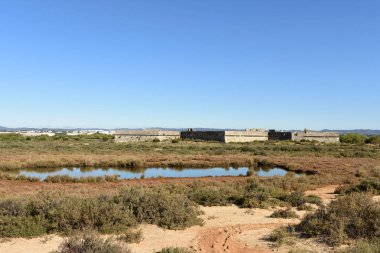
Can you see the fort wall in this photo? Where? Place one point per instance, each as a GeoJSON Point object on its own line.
{"type": "Point", "coordinates": [145, 135]}
{"type": "Point", "coordinates": [279, 136]}
{"type": "Point", "coordinates": [226, 136]}
{"type": "Point", "coordinates": [245, 136]}
{"type": "Point", "coordinates": [204, 135]}
{"type": "Point", "coordinates": [328, 137]}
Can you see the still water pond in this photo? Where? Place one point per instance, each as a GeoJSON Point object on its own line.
{"type": "Point", "coordinates": [150, 172]}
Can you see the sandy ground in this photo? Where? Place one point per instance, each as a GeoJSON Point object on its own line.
{"type": "Point", "coordinates": [226, 229]}
{"type": "Point", "coordinates": [325, 193]}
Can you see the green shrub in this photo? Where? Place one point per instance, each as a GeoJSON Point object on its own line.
{"type": "Point", "coordinates": [279, 236]}
{"type": "Point", "coordinates": [12, 137]}
{"type": "Point", "coordinates": [89, 242]}
{"type": "Point", "coordinates": [300, 251]}
{"type": "Point", "coordinates": [364, 246]}
{"type": "Point", "coordinates": [176, 140]}
{"type": "Point", "coordinates": [57, 213]}
{"type": "Point", "coordinates": [21, 226]}
{"type": "Point", "coordinates": [65, 214]}
{"type": "Point", "coordinates": [305, 207]}
{"type": "Point", "coordinates": [351, 216]}
{"type": "Point", "coordinates": [160, 207]}
{"type": "Point", "coordinates": [372, 187]}
{"type": "Point", "coordinates": [375, 139]}
{"type": "Point", "coordinates": [256, 195]}
{"type": "Point", "coordinates": [209, 196]}
{"type": "Point", "coordinates": [298, 198]}
{"type": "Point", "coordinates": [353, 138]}
{"type": "Point", "coordinates": [174, 250]}
{"type": "Point", "coordinates": [284, 214]}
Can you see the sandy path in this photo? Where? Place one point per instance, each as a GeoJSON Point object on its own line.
{"type": "Point", "coordinates": [325, 193]}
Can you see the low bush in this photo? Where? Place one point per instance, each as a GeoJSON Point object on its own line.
{"type": "Point", "coordinates": [364, 246]}
{"type": "Point", "coordinates": [375, 139]}
{"type": "Point", "coordinates": [351, 216]}
{"type": "Point", "coordinates": [280, 236]}
{"type": "Point", "coordinates": [284, 214]}
{"type": "Point", "coordinates": [57, 213]}
{"type": "Point", "coordinates": [353, 138]}
{"type": "Point", "coordinates": [364, 186]}
{"type": "Point", "coordinates": [298, 198]}
{"type": "Point", "coordinates": [211, 196]}
{"type": "Point", "coordinates": [305, 207]}
{"type": "Point", "coordinates": [174, 250]}
{"type": "Point", "coordinates": [12, 137]}
{"type": "Point", "coordinates": [90, 242]}
{"type": "Point", "coordinates": [160, 207]}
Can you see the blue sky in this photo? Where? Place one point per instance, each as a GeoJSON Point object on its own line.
{"type": "Point", "coordinates": [200, 63]}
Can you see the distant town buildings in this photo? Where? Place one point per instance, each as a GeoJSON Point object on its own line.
{"type": "Point", "coordinates": [89, 132]}
{"type": "Point", "coordinates": [145, 135]}
{"type": "Point", "coordinates": [30, 133]}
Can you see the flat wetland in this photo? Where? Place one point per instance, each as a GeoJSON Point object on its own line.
{"type": "Point", "coordinates": [240, 187]}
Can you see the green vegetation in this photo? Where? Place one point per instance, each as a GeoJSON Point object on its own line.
{"type": "Point", "coordinates": [98, 150]}
{"type": "Point", "coordinates": [174, 250]}
{"type": "Point", "coordinates": [351, 216]}
{"type": "Point", "coordinates": [374, 139]}
{"type": "Point", "coordinates": [57, 213]}
{"type": "Point", "coordinates": [161, 207]}
{"type": "Point", "coordinates": [300, 251]}
{"type": "Point", "coordinates": [353, 138]}
{"type": "Point", "coordinates": [253, 193]}
{"type": "Point", "coordinates": [12, 137]}
{"type": "Point", "coordinates": [364, 246]}
{"type": "Point", "coordinates": [284, 214]}
{"type": "Point", "coordinates": [372, 187]}
{"type": "Point", "coordinates": [90, 242]}
{"type": "Point", "coordinates": [172, 206]}
{"type": "Point", "coordinates": [280, 236]}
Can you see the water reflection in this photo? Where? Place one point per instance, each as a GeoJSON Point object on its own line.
{"type": "Point", "coordinates": [151, 172]}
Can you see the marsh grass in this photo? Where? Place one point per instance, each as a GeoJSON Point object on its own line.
{"type": "Point", "coordinates": [101, 151]}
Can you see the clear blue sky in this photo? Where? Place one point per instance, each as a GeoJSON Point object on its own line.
{"type": "Point", "coordinates": [196, 63]}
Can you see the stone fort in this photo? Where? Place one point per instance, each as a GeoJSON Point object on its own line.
{"type": "Point", "coordinates": [226, 136]}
